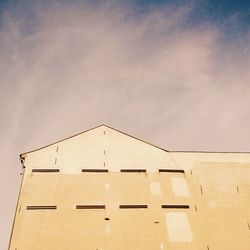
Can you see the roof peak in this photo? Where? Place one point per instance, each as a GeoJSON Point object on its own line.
{"type": "Point", "coordinates": [88, 130]}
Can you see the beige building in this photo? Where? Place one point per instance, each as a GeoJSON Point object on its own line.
{"type": "Point", "coordinates": [105, 190]}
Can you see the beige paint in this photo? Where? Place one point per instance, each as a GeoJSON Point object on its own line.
{"type": "Point", "coordinates": [179, 186]}
{"type": "Point", "coordinates": [155, 188]}
{"type": "Point", "coordinates": [161, 246]}
{"type": "Point", "coordinates": [178, 227]}
{"type": "Point", "coordinates": [218, 185]}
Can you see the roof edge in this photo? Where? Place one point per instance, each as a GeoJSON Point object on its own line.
{"type": "Point", "coordinates": [53, 143]}
{"type": "Point", "coordinates": [136, 138]}
{"type": "Point", "coordinates": [22, 155]}
{"type": "Point", "coordinates": [31, 151]}
{"type": "Point", "coordinates": [210, 152]}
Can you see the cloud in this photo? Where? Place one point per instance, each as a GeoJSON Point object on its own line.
{"type": "Point", "coordinates": [65, 67]}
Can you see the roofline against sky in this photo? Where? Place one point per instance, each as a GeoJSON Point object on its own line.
{"type": "Point", "coordinates": [212, 152]}
{"type": "Point", "coordinates": [28, 152]}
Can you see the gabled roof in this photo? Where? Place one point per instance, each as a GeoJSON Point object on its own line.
{"type": "Point", "coordinates": [86, 131]}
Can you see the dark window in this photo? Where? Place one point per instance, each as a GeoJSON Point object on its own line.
{"type": "Point", "coordinates": [90, 206]}
{"type": "Point", "coordinates": [40, 207]}
{"type": "Point", "coordinates": [45, 170]}
{"type": "Point", "coordinates": [132, 206]}
{"type": "Point", "coordinates": [133, 170]}
{"type": "Point", "coordinates": [94, 170]}
{"type": "Point", "coordinates": [162, 170]}
{"type": "Point", "coordinates": [176, 206]}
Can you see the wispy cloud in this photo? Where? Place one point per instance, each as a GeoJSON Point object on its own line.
{"type": "Point", "coordinates": [67, 67]}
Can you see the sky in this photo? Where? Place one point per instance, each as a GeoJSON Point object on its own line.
{"type": "Point", "coordinates": [173, 73]}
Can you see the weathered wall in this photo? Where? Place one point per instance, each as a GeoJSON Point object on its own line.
{"type": "Point", "coordinates": [215, 186]}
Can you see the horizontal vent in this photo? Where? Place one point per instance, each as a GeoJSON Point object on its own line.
{"type": "Point", "coordinates": [40, 207]}
{"type": "Point", "coordinates": [171, 170]}
{"type": "Point", "coordinates": [46, 170]}
{"type": "Point", "coordinates": [90, 206]}
{"type": "Point", "coordinates": [94, 170]}
{"type": "Point", "coordinates": [133, 170]}
{"type": "Point", "coordinates": [176, 206]}
{"type": "Point", "coordinates": [132, 206]}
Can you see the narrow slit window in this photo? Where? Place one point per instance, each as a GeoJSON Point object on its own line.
{"type": "Point", "coordinates": [134, 206]}
{"type": "Point", "coordinates": [45, 170]}
{"type": "Point", "coordinates": [133, 170]}
{"type": "Point", "coordinates": [95, 170]}
{"type": "Point", "coordinates": [41, 207]}
{"type": "Point", "coordinates": [90, 206]}
{"type": "Point", "coordinates": [164, 170]}
{"type": "Point", "coordinates": [175, 206]}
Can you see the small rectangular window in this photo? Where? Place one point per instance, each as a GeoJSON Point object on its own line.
{"type": "Point", "coordinates": [45, 170]}
{"type": "Point", "coordinates": [40, 207]}
{"type": "Point", "coordinates": [94, 170]}
{"type": "Point", "coordinates": [90, 206]}
{"type": "Point", "coordinates": [133, 206]}
{"type": "Point", "coordinates": [133, 170]}
{"type": "Point", "coordinates": [176, 206]}
{"type": "Point", "coordinates": [162, 170]}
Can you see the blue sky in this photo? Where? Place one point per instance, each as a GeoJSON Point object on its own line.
{"type": "Point", "coordinates": [177, 77]}
{"type": "Point", "coordinates": [231, 16]}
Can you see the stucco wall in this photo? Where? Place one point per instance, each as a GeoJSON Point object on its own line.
{"type": "Point", "coordinates": [215, 186]}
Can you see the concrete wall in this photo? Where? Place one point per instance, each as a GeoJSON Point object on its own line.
{"type": "Point", "coordinates": [215, 186]}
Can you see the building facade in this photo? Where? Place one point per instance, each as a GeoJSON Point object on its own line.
{"type": "Point", "coordinates": [105, 190]}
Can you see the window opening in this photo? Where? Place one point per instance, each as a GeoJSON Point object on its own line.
{"type": "Point", "coordinates": [45, 170]}
{"type": "Point", "coordinates": [135, 206]}
{"type": "Point", "coordinates": [40, 207]}
{"type": "Point", "coordinates": [90, 206]}
{"type": "Point", "coordinates": [133, 170]}
{"type": "Point", "coordinates": [176, 206]}
{"type": "Point", "coordinates": [162, 170]}
{"type": "Point", "coordinates": [94, 170]}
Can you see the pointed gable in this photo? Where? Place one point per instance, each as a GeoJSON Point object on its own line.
{"type": "Point", "coordinates": [100, 148]}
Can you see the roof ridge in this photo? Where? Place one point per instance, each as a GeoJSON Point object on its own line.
{"type": "Point", "coordinates": [102, 125]}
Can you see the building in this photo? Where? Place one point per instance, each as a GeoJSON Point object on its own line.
{"type": "Point", "coordinates": [105, 190]}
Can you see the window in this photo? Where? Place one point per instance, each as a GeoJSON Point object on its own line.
{"type": "Point", "coordinates": [45, 170]}
{"type": "Point", "coordinates": [133, 170]}
{"type": "Point", "coordinates": [132, 206]}
{"type": "Point", "coordinates": [90, 207]}
{"type": "Point", "coordinates": [40, 207]}
{"type": "Point", "coordinates": [171, 171]}
{"type": "Point", "coordinates": [176, 206]}
{"type": "Point", "coordinates": [94, 170]}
